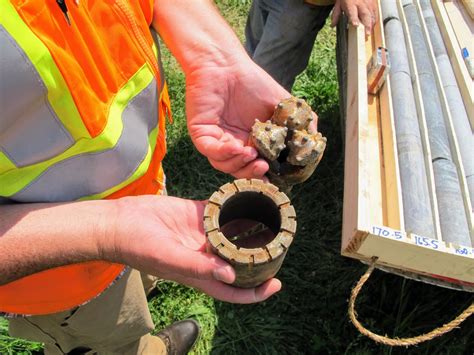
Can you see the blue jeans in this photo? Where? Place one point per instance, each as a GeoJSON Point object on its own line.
{"type": "Point", "coordinates": [280, 35]}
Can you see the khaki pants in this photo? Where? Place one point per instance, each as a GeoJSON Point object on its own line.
{"type": "Point", "coordinates": [116, 322]}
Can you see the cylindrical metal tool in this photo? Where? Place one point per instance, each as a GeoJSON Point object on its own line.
{"type": "Point", "coordinates": [251, 225]}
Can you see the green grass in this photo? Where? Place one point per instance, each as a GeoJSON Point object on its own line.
{"type": "Point", "coordinates": [309, 315]}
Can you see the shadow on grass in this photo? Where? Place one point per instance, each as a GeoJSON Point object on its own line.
{"type": "Point", "coordinates": [309, 315]}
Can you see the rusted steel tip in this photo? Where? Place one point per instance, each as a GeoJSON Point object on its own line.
{"type": "Point", "coordinates": [250, 224]}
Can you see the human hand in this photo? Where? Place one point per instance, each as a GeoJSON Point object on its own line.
{"type": "Point", "coordinates": [164, 236]}
{"type": "Point", "coordinates": [364, 11]}
{"type": "Point", "coordinates": [222, 103]}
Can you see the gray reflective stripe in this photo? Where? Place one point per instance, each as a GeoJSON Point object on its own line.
{"type": "Point", "coordinates": [30, 131]}
{"type": "Point", "coordinates": [156, 40]}
{"type": "Point", "coordinates": [92, 173]}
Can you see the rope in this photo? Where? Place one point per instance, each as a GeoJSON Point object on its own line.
{"type": "Point", "coordinates": [400, 341]}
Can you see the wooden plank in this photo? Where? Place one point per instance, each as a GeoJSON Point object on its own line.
{"type": "Point", "coordinates": [367, 126]}
{"type": "Point", "coordinates": [449, 126]}
{"type": "Point", "coordinates": [412, 253]}
{"type": "Point", "coordinates": [422, 123]}
{"type": "Point", "coordinates": [460, 70]}
{"type": "Point", "coordinates": [355, 111]}
{"type": "Point", "coordinates": [372, 177]}
{"type": "Point", "coordinates": [462, 24]}
{"type": "Point", "coordinates": [393, 202]}
{"type": "Point", "coordinates": [469, 7]}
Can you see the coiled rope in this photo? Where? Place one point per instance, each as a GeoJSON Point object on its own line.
{"type": "Point", "coordinates": [400, 341]}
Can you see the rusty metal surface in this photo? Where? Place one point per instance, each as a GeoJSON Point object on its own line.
{"type": "Point", "coordinates": [289, 145]}
{"type": "Point", "coordinates": [253, 265]}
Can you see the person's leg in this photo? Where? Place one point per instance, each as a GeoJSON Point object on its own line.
{"type": "Point", "coordinates": [116, 322]}
{"type": "Point", "coordinates": [254, 27]}
{"type": "Point", "coordinates": [287, 39]}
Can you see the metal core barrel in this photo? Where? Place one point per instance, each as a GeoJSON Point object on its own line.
{"type": "Point", "coordinates": [250, 224]}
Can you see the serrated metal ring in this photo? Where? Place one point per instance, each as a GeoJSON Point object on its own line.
{"type": "Point", "coordinates": [256, 200]}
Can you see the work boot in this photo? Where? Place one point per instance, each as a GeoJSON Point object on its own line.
{"type": "Point", "coordinates": [180, 336]}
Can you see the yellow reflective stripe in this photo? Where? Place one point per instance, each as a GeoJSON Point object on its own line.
{"type": "Point", "coordinates": [14, 180]}
{"type": "Point", "coordinates": [59, 95]}
{"type": "Point", "coordinates": [5, 163]}
{"type": "Point", "coordinates": [141, 170]}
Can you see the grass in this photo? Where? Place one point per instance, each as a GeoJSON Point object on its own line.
{"type": "Point", "coordinates": [309, 315]}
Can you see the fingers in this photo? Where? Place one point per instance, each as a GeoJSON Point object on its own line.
{"type": "Point", "coordinates": [364, 11]}
{"type": "Point", "coordinates": [336, 14]}
{"type": "Point", "coordinates": [374, 9]}
{"type": "Point", "coordinates": [313, 126]}
{"type": "Point", "coordinates": [353, 15]}
{"type": "Point", "coordinates": [232, 157]}
{"type": "Point", "coordinates": [234, 162]}
{"type": "Point", "coordinates": [253, 170]}
{"type": "Point", "coordinates": [199, 265]}
{"type": "Point", "coordinates": [220, 149]}
{"type": "Point", "coordinates": [228, 293]}
{"type": "Point", "coordinates": [367, 18]}
{"type": "Point", "coordinates": [210, 274]}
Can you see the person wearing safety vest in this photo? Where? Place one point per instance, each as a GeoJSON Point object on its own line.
{"type": "Point", "coordinates": [280, 34]}
{"type": "Point", "coordinates": [83, 108]}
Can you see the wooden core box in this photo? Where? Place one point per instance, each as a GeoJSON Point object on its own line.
{"type": "Point", "coordinates": [373, 222]}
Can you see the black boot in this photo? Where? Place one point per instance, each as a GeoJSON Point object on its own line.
{"type": "Point", "coordinates": [180, 336]}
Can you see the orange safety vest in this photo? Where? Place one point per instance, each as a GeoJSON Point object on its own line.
{"type": "Point", "coordinates": [82, 116]}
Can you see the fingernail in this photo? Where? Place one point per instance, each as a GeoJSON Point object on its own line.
{"type": "Point", "coordinates": [224, 274]}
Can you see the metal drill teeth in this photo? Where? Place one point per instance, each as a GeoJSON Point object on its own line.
{"type": "Point", "coordinates": [287, 130]}
{"type": "Point", "coordinates": [260, 260]}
